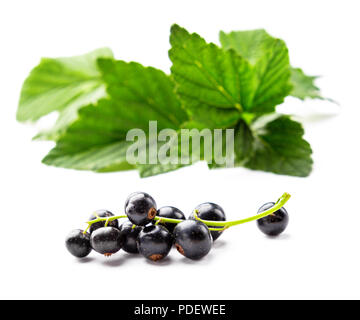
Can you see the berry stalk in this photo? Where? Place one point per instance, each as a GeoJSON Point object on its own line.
{"type": "Point", "coordinates": [227, 224]}
{"type": "Point", "coordinates": [222, 224]}
{"type": "Point", "coordinates": [107, 220]}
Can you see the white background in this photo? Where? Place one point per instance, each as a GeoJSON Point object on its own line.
{"type": "Point", "coordinates": [317, 257]}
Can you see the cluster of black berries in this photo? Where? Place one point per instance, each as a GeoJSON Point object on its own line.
{"type": "Point", "coordinates": [150, 232]}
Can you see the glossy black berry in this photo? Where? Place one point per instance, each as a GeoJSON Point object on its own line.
{"type": "Point", "coordinates": [130, 234]}
{"type": "Point", "coordinates": [172, 213]}
{"type": "Point", "coordinates": [192, 239]}
{"type": "Point", "coordinates": [210, 211]}
{"type": "Point", "coordinates": [78, 243]}
{"type": "Point", "coordinates": [100, 224]}
{"type": "Point", "coordinates": [155, 242]}
{"type": "Point", "coordinates": [275, 223]}
{"type": "Point", "coordinates": [107, 240]}
{"type": "Point", "coordinates": [140, 208]}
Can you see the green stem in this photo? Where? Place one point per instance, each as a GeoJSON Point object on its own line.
{"type": "Point", "coordinates": [222, 224]}
{"type": "Point", "coordinates": [107, 219]}
{"type": "Point", "coordinates": [278, 205]}
{"type": "Point", "coordinates": [87, 228]}
{"type": "Point", "coordinates": [217, 229]}
{"type": "Point", "coordinates": [226, 224]}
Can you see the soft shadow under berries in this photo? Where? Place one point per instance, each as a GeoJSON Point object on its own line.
{"type": "Point", "coordinates": [152, 233]}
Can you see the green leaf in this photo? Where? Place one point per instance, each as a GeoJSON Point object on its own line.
{"type": "Point", "coordinates": [304, 86]}
{"type": "Point", "coordinates": [96, 158]}
{"type": "Point", "coordinates": [64, 85]}
{"type": "Point", "coordinates": [145, 92]}
{"type": "Point", "coordinates": [91, 143]}
{"type": "Point", "coordinates": [243, 143]}
{"type": "Point", "coordinates": [174, 145]}
{"type": "Point", "coordinates": [96, 140]}
{"type": "Point", "coordinates": [269, 57]}
{"type": "Point", "coordinates": [279, 146]}
{"type": "Point", "coordinates": [148, 170]}
{"type": "Point", "coordinates": [257, 46]}
{"type": "Point", "coordinates": [272, 143]}
{"type": "Point", "coordinates": [214, 85]}
{"type": "Point", "coordinates": [183, 156]}
{"type": "Point", "coordinates": [254, 45]}
{"type": "Point", "coordinates": [99, 100]}
{"type": "Point", "coordinates": [70, 114]}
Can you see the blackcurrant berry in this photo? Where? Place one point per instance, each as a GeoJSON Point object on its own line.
{"type": "Point", "coordinates": [107, 240]}
{"type": "Point", "coordinates": [210, 211]}
{"type": "Point", "coordinates": [275, 223]}
{"type": "Point", "coordinates": [154, 242]}
{"type": "Point", "coordinates": [140, 208]}
{"type": "Point", "coordinates": [78, 243]}
{"type": "Point", "coordinates": [192, 239]}
{"type": "Point", "coordinates": [130, 233]}
{"type": "Point", "coordinates": [172, 213]}
{"type": "Point", "coordinates": [100, 224]}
